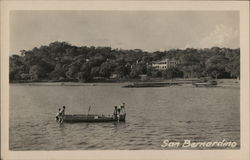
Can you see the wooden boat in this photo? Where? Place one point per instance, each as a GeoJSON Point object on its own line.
{"type": "Point", "coordinates": [74, 118]}
{"type": "Point", "coordinates": [206, 84]}
{"type": "Point", "coordinates": [150, 84]}
{"type": "Point", "coordinates": [119, 115]}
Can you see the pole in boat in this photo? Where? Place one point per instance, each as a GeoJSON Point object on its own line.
{"type": "Point", "coordinates": [124, 107]}
{"type": "Point", "coordinates": [88, 111]}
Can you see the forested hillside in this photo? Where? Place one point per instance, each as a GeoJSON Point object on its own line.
{"type": "Point", "coordinates": [61, 61]}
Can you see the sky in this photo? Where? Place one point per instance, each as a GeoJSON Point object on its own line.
{"type": "Point", "coordinates": [146, 30]}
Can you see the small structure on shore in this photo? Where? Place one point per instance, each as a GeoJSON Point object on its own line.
{"type": "Point", "coordinates": [144, 77]}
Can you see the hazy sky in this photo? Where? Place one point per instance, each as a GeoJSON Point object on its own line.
{"type": "Point", "coordinates": [146, 30]}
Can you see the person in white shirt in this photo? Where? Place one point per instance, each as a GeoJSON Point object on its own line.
{"type": "Point", "coordinates": [123, 108]}
{"type": "Point", "coordinates": [59, 115]}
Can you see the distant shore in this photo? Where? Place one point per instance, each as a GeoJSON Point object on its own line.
{"type": "Point", "coordinates": [221, 83]}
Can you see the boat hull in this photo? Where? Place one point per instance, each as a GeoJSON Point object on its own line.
{"type": "Point", "coordinates": [150, 84]}
{"type": "Point", "coordinates": [80, 118]}
{"type": "Point", "coordinates": [204, 85]}
{"type": "Point", "coordinates": [210, 83]}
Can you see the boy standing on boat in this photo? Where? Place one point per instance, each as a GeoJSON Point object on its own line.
{"type": "Point", "coordinates": [120, 111]}
{"type": "Point", "coordinates": [123, 108]}
{"type": "Point", "coordinates": [63, 111]}
{"type": "Point", "coordinates": [59, 115]}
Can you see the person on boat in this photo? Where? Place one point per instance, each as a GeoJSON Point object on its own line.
{"type": "Point", "coordinates": [118, 113]}
{"type": "Point", "coordinates": [115, 112]}
{"type": "Point", "coordinates": [123, 108]}
{"type": "Point", "coordinates": [59, 115]}
{"type": "Point", "coordinates": [63, 111]}
{"type": "Point", "coordinates": [119, 110]}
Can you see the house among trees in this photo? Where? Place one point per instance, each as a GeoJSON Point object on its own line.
{"type": "Point", "coordinates": [164, 64]}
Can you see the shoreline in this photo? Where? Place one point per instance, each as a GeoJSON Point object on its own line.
{"type": "Point", "coordinates": [177, 82]}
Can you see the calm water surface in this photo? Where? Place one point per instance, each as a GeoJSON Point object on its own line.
{"type": "Point", "coordinates": [153, 115]}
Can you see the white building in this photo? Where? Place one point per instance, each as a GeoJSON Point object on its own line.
{"type": "Point", "coordinates": [164, 64]}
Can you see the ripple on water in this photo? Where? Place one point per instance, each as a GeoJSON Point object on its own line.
{"type": "Point", "coordinates": [174, 113]}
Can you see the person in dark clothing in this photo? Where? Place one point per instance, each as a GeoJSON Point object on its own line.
{"type": "Point", "coordinates": [63, 111]}
{"type": "Point", "coordinates": [118, 110]}
{"type": "Point", "coordinates": [118, 113]}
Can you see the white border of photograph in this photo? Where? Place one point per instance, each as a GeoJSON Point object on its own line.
{"type": "Point", "coordinates": [243, 7]}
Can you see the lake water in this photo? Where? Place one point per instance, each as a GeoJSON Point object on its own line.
{"type": "Point", "coordinates": [175, 113]}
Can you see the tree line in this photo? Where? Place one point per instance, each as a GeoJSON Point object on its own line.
{"type": "Point", "coordinates": [61, 61]}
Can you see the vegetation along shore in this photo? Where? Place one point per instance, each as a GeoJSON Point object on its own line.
{"type": "Point", "coordinates": [63, 62]}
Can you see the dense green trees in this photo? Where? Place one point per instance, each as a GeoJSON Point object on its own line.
{"type": "Point", "coordinates": [61, 61]}
{"type": "Point", "coordinates": [172, 72]}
